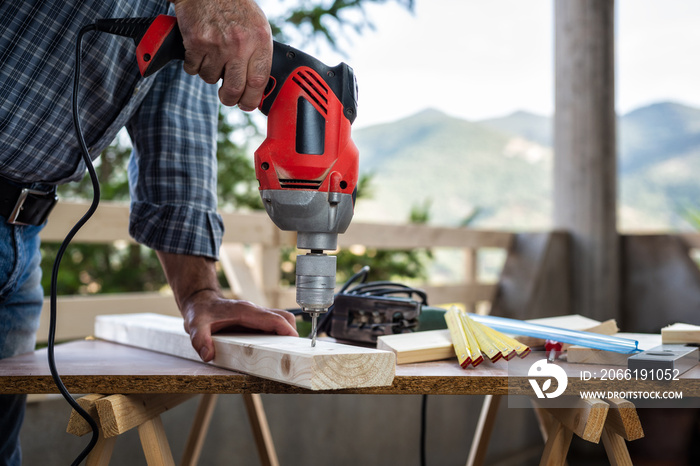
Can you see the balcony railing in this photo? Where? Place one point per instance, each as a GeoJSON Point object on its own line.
{"type": "Point", "coordinates": [251, 257]}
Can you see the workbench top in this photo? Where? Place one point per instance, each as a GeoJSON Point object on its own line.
{"type": "Point", "coordinates": [94, 366]}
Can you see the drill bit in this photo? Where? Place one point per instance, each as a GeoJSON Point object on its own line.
{"type": "Point", "coordinates": [314, 327]}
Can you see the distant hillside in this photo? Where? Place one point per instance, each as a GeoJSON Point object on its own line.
{"type": "Point", "coordinates": [458, 166]}
{"type": "Point", "coordinates": [503, 167]}
{"type": "Point", "coordinates": [532, 127]}
{"type": "Point", "coordinates": [657, 134]}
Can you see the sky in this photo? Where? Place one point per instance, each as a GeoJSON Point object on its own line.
{"type": "Point", "coordinates": [478, 59]}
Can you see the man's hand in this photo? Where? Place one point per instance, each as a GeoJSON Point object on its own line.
{"type": "Point", "coordinates": [195, 285]}
{"type": "Point", "coordinates": [229, 40]}
{"type": "Point", "coordinates": [207, 312]}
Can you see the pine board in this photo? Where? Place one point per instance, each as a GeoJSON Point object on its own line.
{"type": "Point", "coordinates": [681, 333]}
{"type": "Point", "coordinates": [431, 345]}
{"type": "Point", "coordinates": [583, 355]}
{"type": "Point", "coordinates": [290, 360]}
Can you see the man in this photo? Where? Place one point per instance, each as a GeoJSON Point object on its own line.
{"type": "Point", "coordinates": [171, 118]}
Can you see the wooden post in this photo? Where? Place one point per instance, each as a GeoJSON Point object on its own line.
{"type": "Point", "coordinates": [584, 145]}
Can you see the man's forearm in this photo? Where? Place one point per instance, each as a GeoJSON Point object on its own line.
{"type": "Point", "coordinates": [205, 311]}
{"type": "Point", "coordinates": [189, 276]}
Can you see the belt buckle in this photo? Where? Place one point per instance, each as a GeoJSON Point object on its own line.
{"type": "Point", "coordinates": [19, 205]}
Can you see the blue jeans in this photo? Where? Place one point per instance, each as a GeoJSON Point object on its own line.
{"type": "Point", "coordinates": [21, 298]}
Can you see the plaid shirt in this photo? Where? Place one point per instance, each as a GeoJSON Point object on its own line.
{"type": "Point", "coordinates": [171, 117]}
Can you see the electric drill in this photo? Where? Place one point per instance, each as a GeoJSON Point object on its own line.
{"type": "Point", "coordinates": [307, 166]}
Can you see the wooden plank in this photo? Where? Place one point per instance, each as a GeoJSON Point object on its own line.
{"type": "Point", "coordinates": [285, 359]}
{"type": "Point", "coordinates": [439, 294]}
{"type": "Point", "coordinates": [585, 417]}
{"type": "Point", "coordinates": [583, 355]}
{"type": "Point", "coordinates": [76, 314]}
{"type": "Point", "coordinates": [111, 222]}
{"type": "Point", "coordinates": [401, 236]}
{"type": "Point", "coordinates": [120, 413]}
{"type": "Point", "coordinates": [239, 274]}
{"type": "Point", "coordinates": [432, 345]}
{"type": "Point", "coordinates": [681, 333]}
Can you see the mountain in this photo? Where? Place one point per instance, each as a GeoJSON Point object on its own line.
{"type": "Point", "coordinates": [502, 168]}
{"type": "Point", "coordinates": [658, 133]}
{"type": "Point", "coordinates": [535, 128]}
{"type": "Point", "coordinates": [456, 165]}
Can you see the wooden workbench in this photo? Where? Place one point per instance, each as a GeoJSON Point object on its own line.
{"type": "Point", "coordinates": [92, 366]}
{"type": "Point", "coordinates": [100, 367]}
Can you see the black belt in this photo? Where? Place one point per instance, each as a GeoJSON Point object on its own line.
{"type": "Point", "coordinates": [26, 205]}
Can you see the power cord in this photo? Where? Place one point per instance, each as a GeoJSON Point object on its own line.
{"type": "Point", "coordinates": [382, 288]}
{"type": "Point", "coordinates": [64, 245]}
{"type": "Point", "coordinates": [364, 288]}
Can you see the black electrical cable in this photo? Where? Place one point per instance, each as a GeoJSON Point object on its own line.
{"type": "Point", "coordinates": [57, 261]}
{"type": "Point", "coordinates": [382, 288]}
{"type": "Point", "coordinates": [423, 428]}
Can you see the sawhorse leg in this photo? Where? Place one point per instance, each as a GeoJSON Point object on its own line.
{"type": "Point", "coordinates": [258, 424]}
{"type": "Point", "coordinates": [487, 418]}
{"type": "Point", "coordinates": [615, 421]}
{"type": "Point", "coordinates": [116, 414]}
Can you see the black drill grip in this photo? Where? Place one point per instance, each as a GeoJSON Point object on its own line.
{"type": "Point", "coordinates": [158, 40]}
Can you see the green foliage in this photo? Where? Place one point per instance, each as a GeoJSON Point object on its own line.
{"type": "Point", "coordinates": [692, 216]}
{"type": "Point", "coordinates": [237, 186]}
{"type": "Point", "coordinates": [104, 268]}
{"type": "Point", "coordinates": [326, 20]}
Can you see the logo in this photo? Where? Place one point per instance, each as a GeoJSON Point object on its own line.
{"type": "Point", "coordinates": [542, 368]}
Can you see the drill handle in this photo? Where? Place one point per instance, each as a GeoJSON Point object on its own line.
{"type": "Point", "coordinates": [158, 40]}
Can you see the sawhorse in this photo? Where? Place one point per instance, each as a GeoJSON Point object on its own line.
{"type": "Point", "coordinates": [116, 414]}
{"type": "Point", "coordinates": [613, 420]}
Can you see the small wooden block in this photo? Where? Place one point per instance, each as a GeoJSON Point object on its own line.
{"type": "Point", "coordinates": [586, 417]}
{"type": "Point", "coordinates": [120, 413]}
{"type": "Point", "coordinates": [76, 424]}
{"type": "Point", "coordinates": [680, 333]}
{"type": "Point", "coordinates": [285, 359]}
{"type": "Point", "coordinates": [431, 345]}
{"type": "Point", "coordinates": [623, 419]}
{"type": "Point", "coordinates": [583, 355]}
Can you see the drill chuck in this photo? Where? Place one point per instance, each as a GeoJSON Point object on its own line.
{"type": "Point", "coordinates": [315, 281]}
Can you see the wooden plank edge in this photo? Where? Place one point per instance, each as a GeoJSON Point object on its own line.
{"type": "Point", "coordinates": [325, 367]}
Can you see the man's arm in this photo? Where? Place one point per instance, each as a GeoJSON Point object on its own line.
{"type": "Point", "coordinates": [196, 288]}
{"type": "Point", "coordinates": [229, 40]}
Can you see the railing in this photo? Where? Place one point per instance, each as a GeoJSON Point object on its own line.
{"type": "Point", "coordinates": [254, 272]}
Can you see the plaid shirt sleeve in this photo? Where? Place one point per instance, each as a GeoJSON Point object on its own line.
{"type": "Point", "coordinates": [172, 171]}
